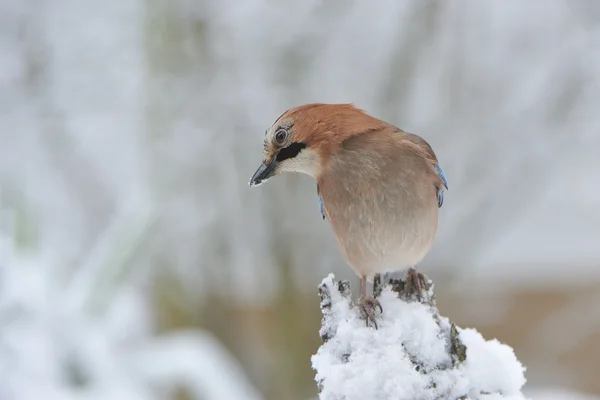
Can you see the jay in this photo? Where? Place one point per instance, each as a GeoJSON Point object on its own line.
{"type": "Point", "coordinates": [379, 187]}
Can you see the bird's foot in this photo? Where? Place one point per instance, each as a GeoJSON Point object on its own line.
{"type": "Point", "coordinates": [367, 307]}
{"type": "Point", "coordinates": [416, 283]}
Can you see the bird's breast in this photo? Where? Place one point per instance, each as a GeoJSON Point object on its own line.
{"type": "Point", "coordinates": [381, 221]}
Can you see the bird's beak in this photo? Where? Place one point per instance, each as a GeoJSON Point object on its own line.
{"type": "Point", "coordinates": [264, 172]}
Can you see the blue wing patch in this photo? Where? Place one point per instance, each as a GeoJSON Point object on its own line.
{"type": "Point", "coordinates": [443, 178]}
{"type": "Point", "coordinates": [321, 207]}
{"type": "Point", "coordinates": [442, 175]}
{"type": "Point", "coordinates": [440, 198]}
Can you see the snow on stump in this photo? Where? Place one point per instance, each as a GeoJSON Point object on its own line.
{"type": "Point", "coordinates": [414, 354]}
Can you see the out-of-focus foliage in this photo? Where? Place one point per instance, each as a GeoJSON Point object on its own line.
{"type": "Point", "coordinates": [89, 335]}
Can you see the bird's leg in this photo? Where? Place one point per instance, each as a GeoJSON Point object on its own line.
{"type": "Point", "coordinates": [415, 283]}
{"type": "Point", "coordinates": [368, 305]}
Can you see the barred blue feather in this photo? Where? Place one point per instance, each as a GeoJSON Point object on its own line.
{"type": "Point", "coordinates": [321, 207]}
{"type": "Point", "coordinates": [443, 178]}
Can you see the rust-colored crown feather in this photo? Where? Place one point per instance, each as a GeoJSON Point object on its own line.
{"type": "Point", "coordinates": [323, 127]}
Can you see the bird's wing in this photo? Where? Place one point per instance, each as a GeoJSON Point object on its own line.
{"type": "Point", "coordinates": [427, 151]}
{"type": "Point", "coordinates": [416, 143]}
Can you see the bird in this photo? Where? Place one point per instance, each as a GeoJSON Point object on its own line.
{"type": "Point", "coordinates": [379, 187]}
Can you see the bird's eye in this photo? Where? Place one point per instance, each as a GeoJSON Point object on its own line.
{"type": "Point", "coordinates": [280, 136]}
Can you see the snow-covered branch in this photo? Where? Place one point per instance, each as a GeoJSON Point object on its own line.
{"type": "Point", "coordinates": [414, 354]}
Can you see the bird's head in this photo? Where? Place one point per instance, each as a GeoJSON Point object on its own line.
{"type": "Point", "coordinates": [303, 138]}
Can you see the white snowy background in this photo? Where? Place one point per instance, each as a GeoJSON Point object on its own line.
{"type": "Point", "coordinates": [135, 263]}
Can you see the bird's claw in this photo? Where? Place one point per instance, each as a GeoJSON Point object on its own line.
{"type": "Point", "coordinates": [367, 306]}
{"type": "Point", "coordinates": [416, 283]}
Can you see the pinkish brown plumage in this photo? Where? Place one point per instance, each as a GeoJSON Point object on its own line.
{"type": "Point", "coordinates": [380, 187]}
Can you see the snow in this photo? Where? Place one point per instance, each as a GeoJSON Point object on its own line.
{"type": "Point", "coordinates": [67, 337]}
{"type": "Point", "coordinates": [408, 356]}
{"type": "Point", "coordinates": [198, 361]}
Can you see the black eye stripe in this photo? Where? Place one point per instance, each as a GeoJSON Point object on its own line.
{"type": "Point", "coordinates": [291, 151]}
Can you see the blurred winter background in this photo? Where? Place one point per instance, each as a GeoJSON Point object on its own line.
{"type": "Point", "coordinates": [135, 262]}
